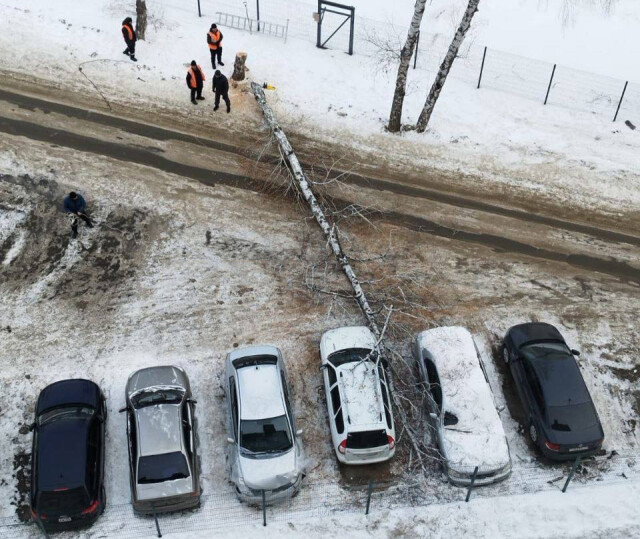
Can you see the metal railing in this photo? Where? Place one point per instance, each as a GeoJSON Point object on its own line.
{"type": "Point", "coordinates": [253, 25]}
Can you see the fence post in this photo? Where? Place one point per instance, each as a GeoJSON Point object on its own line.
{"type": "Point", "coordinates": [155, 517]}
{"type": "Point", "coordinates": [286, 31]}
{"type": "Point", "coordinates": [264, 510]}
{"type": "Point", "coordinates": [573, 471]}
{"type": "Point", "coordinates": [199, 12]}
{"type": "Point", "coordinates": [369, 492]}
{"type": "Point", "coordinates": [553, 71]}
{"type": "Point", "coordinates": [473, 480]}
{"type": "Point", "coordinates": [352, 26]}
{"type": "Point", "coordinates": [620, 102]}
{"type": "Point", "coordinates": [258, 13]}
{"type": "Point", "coordinates": [484, 54]}
{"type": "Point", "coordinates": [415, 57]}
{"type": "Point", "coordinates": [319, 27]}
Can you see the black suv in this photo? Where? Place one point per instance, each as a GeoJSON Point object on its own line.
{"type": "Point", "coordinates": [561, 418]}
{"type": "Point", "coordinates": [67, 462]}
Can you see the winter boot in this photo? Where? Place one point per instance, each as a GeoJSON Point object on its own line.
{"type": "Point", "coordinates": [221, 63]}
{"type": "Point", "coordinates": [126, 51]}
{"type": "Point", "coordinates": [133, 58]}
{"type": "Point", "coordinates": [215, 108]}
{"type": "Point", "coordinates": [200, 98]}
{"type": "Point", "coordinates": [194, 101]}
{"type": "Point", "coordinates": [228, 109]}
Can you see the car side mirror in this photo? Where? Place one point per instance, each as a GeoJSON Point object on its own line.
{"type": "Point", "coordinates": [32, 427]}
{"type": "Point", "coordinates": [299, 432]}
{"type": "Point", "coordinates": [100, 418]}
{"type": "Point", "coordinates": [575, 352]}
{"type": "Point", "coordinates": [322, 367]}
{"type": "Point", "coordinates": [231, 441]}
{"type": "Point", "coordinates": [125, 409]}
{"type": "Point", "coordinates": [433, 415]}
{"type": "Point", "coordinates": [192, 401]}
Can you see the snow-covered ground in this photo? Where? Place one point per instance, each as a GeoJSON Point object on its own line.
{"type": "Point", "coordinates": [499, 141]}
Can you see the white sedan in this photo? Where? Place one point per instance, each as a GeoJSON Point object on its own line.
{"type": "Point", "coordinates": [462, 411]}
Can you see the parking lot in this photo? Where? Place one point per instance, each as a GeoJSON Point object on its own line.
{"type": "Point", "coordinates": [177, 272]}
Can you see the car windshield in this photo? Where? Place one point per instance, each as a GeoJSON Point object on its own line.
{"type": "Point", "coordinates": [545, 349]}
{"type": "Point", "coordinates": [265, 435]}
{"type": "Point", "coordinates": [157, 395]}
{"type": "Point", "coordinates": [573, 417]}
{"type": "Point", "coordinates": [66, 413]}
{"type": "Point", "coordinates": [63, 501]}
{"type": "Point", "coordinates": [349, 356]}
{"type": "Point", "coordinates": [159, 468]}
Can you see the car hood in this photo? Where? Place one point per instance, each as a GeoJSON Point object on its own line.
{"type": "Point", "coordinates": [269, 473]}
{"type": "Point", "coordinates": [157, 376]}
{"type": "Point", "coordinates": [166, 489]}
{"type": "Point", "coordinates": [534, 331]}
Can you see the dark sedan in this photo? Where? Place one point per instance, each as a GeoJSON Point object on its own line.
{"type": "Point", "coordinates": [67, 462]}
{"type": "Point", "coordinates": [561, 418]}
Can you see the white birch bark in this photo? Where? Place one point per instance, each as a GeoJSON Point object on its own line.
{"type": "Point", "coordinates": [395, 118]}
{"type": "Point", "coordinates": [445, 67]}
{"type": "Point", "coordinates": [303, 184]}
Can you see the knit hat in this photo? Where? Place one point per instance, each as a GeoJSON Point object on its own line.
{"type": "Point", "coordinates": [193, 63]}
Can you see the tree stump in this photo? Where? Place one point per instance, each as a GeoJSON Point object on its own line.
{"type": "Point", "coordinates": [238, 66]}
{"type": "Point", "coordinates": [141, 19]}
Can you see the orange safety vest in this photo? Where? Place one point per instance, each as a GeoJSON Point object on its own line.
{"type": "Point", "coordinates": [129, 31]}
{"type": "Point", "coordinates": [215, 36]}
{"type": "Point", "coordinates": [193, 83]}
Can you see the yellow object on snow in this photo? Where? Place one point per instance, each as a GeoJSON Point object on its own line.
{"type": "Point", "coordinates": [268, 86]}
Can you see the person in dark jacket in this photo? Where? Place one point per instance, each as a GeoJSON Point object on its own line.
{"type": "Point", "coordinates": [130, 38]}
{"type": "Point", "coordinates": [214, 40]}
{"type": "Point", "coordinates": [221, 89]}
{"type": "Point", "coordinates": [195, 81]}
{"type": "Point", "coordinates": [75, 206]}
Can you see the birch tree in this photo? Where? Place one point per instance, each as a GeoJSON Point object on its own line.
{"type": "Point", "coordinates": [395, 118]}
{"type": "Point", "coordinates": [141, 19]}
{"type": "Point", "coordinates": [445, 66]}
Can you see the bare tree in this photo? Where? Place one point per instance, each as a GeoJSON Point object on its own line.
{"type": "Point", "coordinates": [141, 19]}
{"type": "Point", "coordinates": [395, 118]}
{"type": "Point", "coordinates": [445, 67]}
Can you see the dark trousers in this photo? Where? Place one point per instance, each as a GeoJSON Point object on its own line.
{"type": "Point", "coordinates": [74, 222]}
{"type": "Point", "coordinates": [131, 45]}
{"type": "Point", "coordinates": [196, 92]}
{"type": "Point", "coordinates": [216, 53]}
{"type": "Point", "coordinates": [224, 96]}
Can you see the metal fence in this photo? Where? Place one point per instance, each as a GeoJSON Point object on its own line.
{"type": "Point", "coordinates": [222, 510]}
{"type": "Point", "coordinates": [502, 71]}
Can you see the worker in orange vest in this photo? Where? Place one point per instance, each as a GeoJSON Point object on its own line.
{"type": "Point", "coordinates": [130, 38]}
{"type": "Point", "coordinates": [195, 81]}
{"type": "Point", "coordinates": [214, 39]}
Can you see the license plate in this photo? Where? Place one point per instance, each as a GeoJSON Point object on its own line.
{"type": "Point", "coordinates": [64, 519]}
{"type": "Point", "coordinates": [581, 448]}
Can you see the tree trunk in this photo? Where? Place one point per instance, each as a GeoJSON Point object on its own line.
{"type": "Point", "coordinates": [445, 67]}
{"type": "Point", "coordinates": [395, 118]}
{"type": "Point", "coordinates": [238, 66]}
{"type": "Point", "coordinates": [302, 183]}
{"type": "Point", "coordinates": [141, 19]}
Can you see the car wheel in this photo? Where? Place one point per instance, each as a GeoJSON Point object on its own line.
{"type": "Point", "coordinates": [505, 355]}
{"type": "Point", "coordinates": [533, 433]}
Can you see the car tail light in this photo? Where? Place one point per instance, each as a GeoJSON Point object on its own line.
{"type": "Point", "coordinates": [35, 516]}
{"type": "Point", "coordinates": [392, 442]}
{"type": "Point", "coordinates": [553, 447]}
{"type": "Point", "coordinates": [91, 509]}
{"type": "Point", "coordinates": [343, 447]}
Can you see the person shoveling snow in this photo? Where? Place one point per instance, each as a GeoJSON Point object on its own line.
{"type": "Point", "coordinates": [75, 206]}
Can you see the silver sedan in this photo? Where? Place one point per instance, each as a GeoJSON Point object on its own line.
{"type": "Point", "coordinates": [161, 430]}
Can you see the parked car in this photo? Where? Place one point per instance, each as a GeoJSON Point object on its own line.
{"type": "Point", "coordinates": [358, 399]}
{"type": "Point", "coordinates": [462, 412]}
{"type": "Point", "coordinates": [265, 447]}
{"type": "Point", "coordinates": [67, 459]}
{"type": "Point", "coordinates": [162, 434]}
{"type": "Point", "coordinates": [561, 418]}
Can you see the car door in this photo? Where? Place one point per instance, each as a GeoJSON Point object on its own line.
{"type": "Point", "coordinates": [133, 449]}
{"type": "Point", "coordinates": [234, 408]}
{"type": "Point", "coordinates": [521, 383]}
{"type": "Point", "coordinates": [188, 436]}
{"type": "Point", "coordinates": [434, 394]}
{"type": "Point", "coordinates": [334, 404]}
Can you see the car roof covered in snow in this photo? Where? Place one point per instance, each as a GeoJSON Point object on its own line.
{"type": "Point", "coordinates": [360, 395]}
{"type": "Point", "coordinates": [478, 438]}
{"type": "Point", "coordinates": [260, 392]}
{"type": "Point", "coordinates": [338, 339]}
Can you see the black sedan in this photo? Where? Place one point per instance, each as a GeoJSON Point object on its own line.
{"type": "Point", "coordinates": [561, 418]}
{"type": "Point", "coordinates": [67, 462]}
